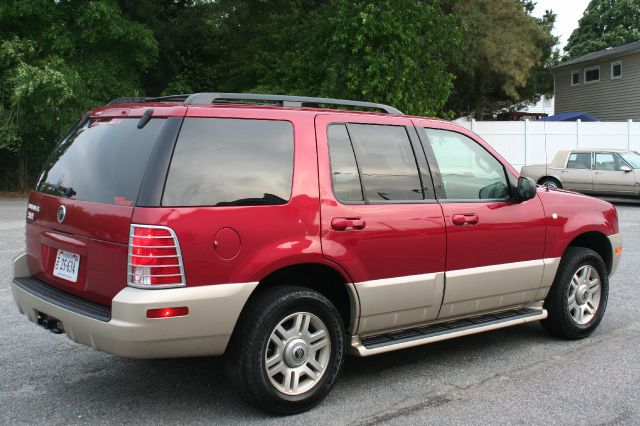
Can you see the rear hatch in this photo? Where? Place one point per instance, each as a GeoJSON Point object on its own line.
{"type": "Point", "coordinates": [79, 215]}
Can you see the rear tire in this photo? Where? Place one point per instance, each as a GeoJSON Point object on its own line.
{"type": "Point", "coordinates": [578, 297]}
{"type": "Point", "coordinates": [551, 182]}
{"type": "Point", "coordinates": [287, 350]}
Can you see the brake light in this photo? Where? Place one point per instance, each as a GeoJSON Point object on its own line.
{"type": "Point", "coordinates": [155, 260]}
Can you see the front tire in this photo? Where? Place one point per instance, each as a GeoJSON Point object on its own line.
{"type": "Point", "coordinates": [287, 350]}
{"type": "Point", "coordinates": [578, 297]}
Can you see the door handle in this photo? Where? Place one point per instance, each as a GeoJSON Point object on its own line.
{"type": "Point", "coordinates": [564, 171]}
{"type": "Point", "coordinates": [465, 219]}
{"type": "Point", "coordinates": [346, 223]}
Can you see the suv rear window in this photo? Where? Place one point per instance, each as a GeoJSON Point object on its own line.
{"type": "Point", "coordinates": [231, 162]}
{"type": "Point", "coordinates": [102, 161]}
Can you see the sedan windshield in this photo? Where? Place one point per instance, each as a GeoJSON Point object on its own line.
{"type": "Point", "coordinates": [633, 158]}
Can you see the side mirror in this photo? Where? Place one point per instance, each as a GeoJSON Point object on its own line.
{"type": "Point", "coordinates": [526, 189]}
{"type": "Point", "coordinates": [625, 169]}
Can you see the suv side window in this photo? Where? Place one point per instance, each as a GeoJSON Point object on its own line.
{"type": "Point", "coordinates": [468, 171]}
{"type": "Point", "coordinates": [386, 162]}
{"type": "Point", "coordinates": [231, 162]}
{"type": "Point", "coordinates": [344, 169]}
{"type": "Point", "coordinates": [579, 160]}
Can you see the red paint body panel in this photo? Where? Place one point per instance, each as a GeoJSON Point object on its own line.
{"type": "Point", "coordinates": [577, 214]}
{"type": "Point", "coordinates": [97, 232]}
{"type": "Point", "coordinates": [271, 237]}
{"type": "Point", "coordinates": [506, 232]}
{"type": "Point", "coordinates": [397, 240]}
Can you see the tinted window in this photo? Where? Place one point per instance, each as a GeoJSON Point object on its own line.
{"type": "Point", "coordinates": [579, 160]}
{"type": "Point", "coordinates": [467, 170]}
{"type": "Point", "coordinates": [575, 78]}
{"type": "Point", "coordinates": [344, 170]}
{"type": "Point", "coordinates": [226, 162]}
{"type": "Point", "coordinates": [103, 161]}
{"type": "Point", "coordinates": [387, 162]}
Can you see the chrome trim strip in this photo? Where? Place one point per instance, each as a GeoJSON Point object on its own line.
{"type": "Point", "coordinates": [157, 266]}
{"type": "Point", "coordinates": [133, 245]}
{"type": "Point", "coordinates": [183, 280]}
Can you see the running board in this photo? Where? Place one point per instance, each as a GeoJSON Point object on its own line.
{"type": "Point", "coordinates": [443, 331]}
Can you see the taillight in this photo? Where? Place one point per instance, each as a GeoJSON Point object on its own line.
{"type": "Point", "coordinates": [155, 260]}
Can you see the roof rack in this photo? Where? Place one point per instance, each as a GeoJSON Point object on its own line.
{"type": "Point", "coordinates": [171, 98]}
{"type": "Point", "coordinates": [250, 98]}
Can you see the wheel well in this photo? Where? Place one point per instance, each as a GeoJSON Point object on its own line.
{"type": "Point", "coordinates": [324, 279]}
{"type": "Point", "coordinates": [597, 242]}
{"type": "Point", "coordinates": [543, 178]}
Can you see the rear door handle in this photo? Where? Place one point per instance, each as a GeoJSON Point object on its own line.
{"type": "Point", "coordinates": [347, 223]}
{"type": "Point", "coordinates": [465, 219]}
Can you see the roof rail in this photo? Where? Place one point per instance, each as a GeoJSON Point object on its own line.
{"type": "Point", "coordinates": [240, 98]}
{"type": "Point", "coordinates": [286, 101]}
{"type": "Point", "coordinates": [170, 98]}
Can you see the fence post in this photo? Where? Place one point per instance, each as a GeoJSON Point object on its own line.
{"type": "Point", "coordinates": [526, 139]}
{"type": "Point", "coordinates": [578, 121]}
{"type": "Point", "coordinates": [629, 133]}
{"type": "Point", "coordinates": [473, 124]}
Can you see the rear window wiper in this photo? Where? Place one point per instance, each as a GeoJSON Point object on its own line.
{"type": "Point", "coordinates": [146, 116]}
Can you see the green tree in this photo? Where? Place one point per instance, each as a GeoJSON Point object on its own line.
{"type": "Point", "coordinates": [605, 23]}
{"type": "Point", "coordinates": [57, 59]}
{"type": "Point", "coordinates": [506, 51]}
{"type": "Point", "coordinates": [382, 51]}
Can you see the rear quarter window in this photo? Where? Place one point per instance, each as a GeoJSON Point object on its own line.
{"type": "Point", "coordinates": [231, 162]}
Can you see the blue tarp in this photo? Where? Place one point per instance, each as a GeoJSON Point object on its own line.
{"type": "Point", "coordinates": [569, 116]}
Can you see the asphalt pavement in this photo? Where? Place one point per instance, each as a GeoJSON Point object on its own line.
{"type": "Point", "coordinates": [518, 375]}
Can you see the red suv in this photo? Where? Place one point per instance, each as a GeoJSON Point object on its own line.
{"type": "Point", "coordinates": [284, 234]}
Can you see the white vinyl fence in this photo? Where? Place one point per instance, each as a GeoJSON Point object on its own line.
{"type": "Point", "coordinates": [524, 142]}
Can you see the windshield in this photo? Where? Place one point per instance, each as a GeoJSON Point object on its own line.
{"type": "Point", "coordinates": [633, 158]}
{"type": "Point", "coordinates": [102, 161]}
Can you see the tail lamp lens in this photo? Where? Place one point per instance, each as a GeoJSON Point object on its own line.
{"type": "Point", "coordinates": [155, 260]}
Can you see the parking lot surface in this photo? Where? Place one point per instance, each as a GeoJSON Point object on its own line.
{"type": "Point", "coordinates": [518, 375]}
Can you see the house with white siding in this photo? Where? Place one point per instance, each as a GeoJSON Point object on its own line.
{"type": "Point", "coordinates": [604, 84]}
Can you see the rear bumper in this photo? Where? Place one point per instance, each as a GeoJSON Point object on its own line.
{"type": "Point", "coordinates": [616, 251]}
{"type": "Point", "coordinates": [127, 332]}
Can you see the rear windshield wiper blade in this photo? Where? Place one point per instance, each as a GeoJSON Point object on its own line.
{"type": "Point", "coordinates": [146, 116]}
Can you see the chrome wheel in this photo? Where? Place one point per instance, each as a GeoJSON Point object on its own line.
{"type": "Point", "coordinates": [584, 296]}
{"type": "Point", "coordinates": [550, 184]}
{"type": "Point", "coordinates": [297, 353]}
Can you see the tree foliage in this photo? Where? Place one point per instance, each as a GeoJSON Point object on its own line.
{"type": "Point", "coordinates": [506, 51]}
{"type": "Point", "coordinates": [605, 23]}
{"type": "Point", "coordinates": [59, 58]}
{"type": "Point", "coordinates": [372, 50]}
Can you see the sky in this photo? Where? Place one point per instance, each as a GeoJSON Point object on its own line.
{"type": "Point", "coordinates": [568, 12]}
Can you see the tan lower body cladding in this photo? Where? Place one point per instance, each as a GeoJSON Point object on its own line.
{"type": "Point", "coordinates": [402, 302]}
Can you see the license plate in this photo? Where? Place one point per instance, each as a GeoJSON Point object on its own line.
{"type": "Point", "coordinates": [66, 266]}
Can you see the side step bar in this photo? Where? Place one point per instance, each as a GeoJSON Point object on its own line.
{"type": "Point", "coordinates": [443, 331]}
